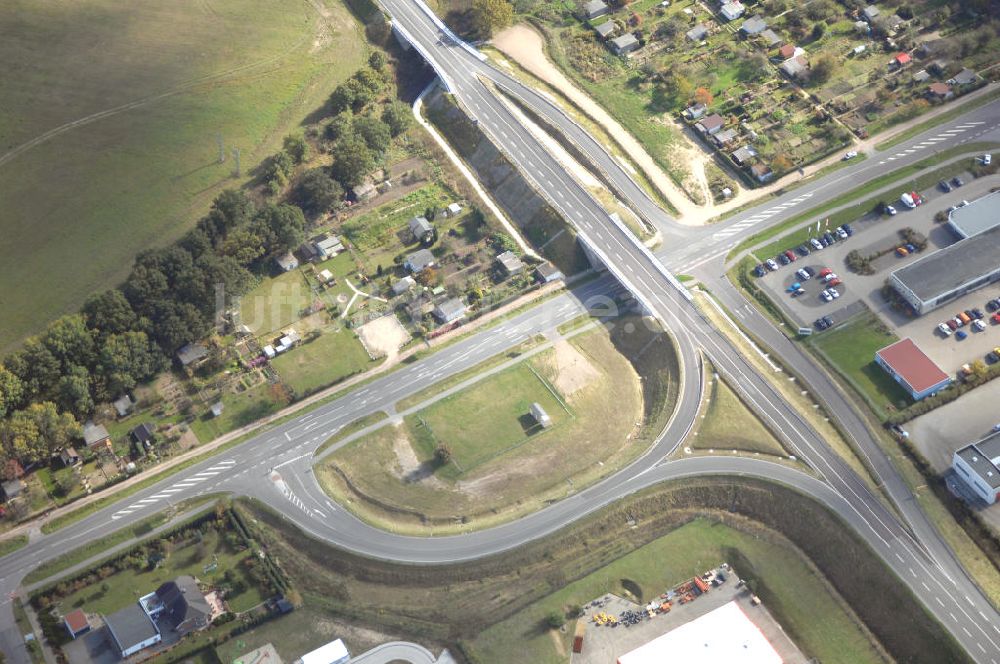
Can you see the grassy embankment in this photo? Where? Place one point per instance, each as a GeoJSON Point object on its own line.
{"type": "Point", "coordinates": [729, 425]}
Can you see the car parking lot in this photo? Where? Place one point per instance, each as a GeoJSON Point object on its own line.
{"type": "Point", "coordinates": [873, 233]}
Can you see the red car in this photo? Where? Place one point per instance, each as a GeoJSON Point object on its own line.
{"type": "Point", "coordinates": [917, 198]}
{"type": "Point", "coordinates": [825, 271]}
{"type": "Point", "coordinates": [996, 318]}
{"type": "Point", "coordinates": [834, 282]}
{"type": "Point", "coordinates": [791, 255]}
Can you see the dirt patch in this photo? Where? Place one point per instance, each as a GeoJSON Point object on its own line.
{"type": "Point", "coordinates": [383, 336]}
{"type": "Point", "coordinates": [410, 468]}
{"type": "Point", "coordinates": [573, 371]}
{"type": "Point", "coordinates": [557, 642]}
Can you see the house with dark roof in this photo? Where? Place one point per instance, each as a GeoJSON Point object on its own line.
{"type": "Point", "coordinates": [711, 124]}
{"type": "Point", "coordinates": [421, 229]}
{"type": "Point", "coordinates": [697, 33]}
{"type": "Point", "coordinates": [69, 456]}
{"type": "Point", "coordinates": [744, 155]}
{"type": "Point", "coordinates": [449, 311]}
{"type": "Point", "coordinates": [964, 77]}
{"type": "Point", "coordinates": [753, 26]}
{"type": "Point", "coordinates": [182, 602]}
{"type": "Point", "coordinates": [95, 434]}
{"type": "Point", "coordinates": [132, 630]}
{"type": "Point", "coordinates": [770, 38]}
{"type": "Point", "coordinates": [912, 368]}
{"type": "Point", "coordinates": [76, 623]}
{"type": "Point", "coordinates": [192, 355]}
{"type": "Point", "coordinates": [142, 437]}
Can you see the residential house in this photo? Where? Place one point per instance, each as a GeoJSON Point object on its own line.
{"type": "Point", "coordinates": [182, 601]}
{"type": "Point", "coordinates": [540, 416]}
{"type": "Point", "coordinates": [142, 437]}
{"type": "Point", "coordinates": [421, 230]}
{"type": "Point", "coordinates": [192, 355]}
{"type": "Point", "coordinates": [132, 630]}
{"type": "Point", "coordinates": [595, 8]}
{"type": "Point", "coordinates": [786, 51]}
{"type": "Point", "coordinates": [605, 30]}
{"type": "Point", "coordinates": [725, 137]}
{"type": "Point", "coordinates": [76, 623]}
{"type": "Point", "coordinates": [732, 10]}
{"type": "Point", "coordinates": [69, 456]}
{"type": "Point", "coordinates": [454, 209]}
{"type": "Point", "coordinates": [326, 277]}
{"type": "Point", "coordinates": [797, 67]}
{"type": "Point", "coordinates": [710, 125]}
{"type": "Point", "coordinates": [419, 261]}
{"type": "Point", "coordinates": [964, 77]}
{"type": "Point", "coordinates": [870, 13]}
{"type": "Point", "coordinates": [547, 272]}
{"type": "Point", "coordinates": [744, 155]}
{"type": "Point", "coordinates": [510, 263]}
{"type": "Point", "coordinates": [940, 91]}
{"type": "Point", "coordinates": [307, 251]}
{"type": "Point", "coordinates": [286, 262]}
{"type": "Point", "coordinates": [762, 172]}
{"type": "Point", "coordinates": [11, 489]}
{"type": "Point", "coordinates": [900, 60]}
{"type": "Point", "coordinates": [287, 340]}
{"type": "Point", "coordinates": [624, 44]}
{"type": "Point", "coordinates": [403, 285]}
{"type": "Point", "coordinates": [217, 409]}
{"type": "Point", "coordinates": [328, 246]}
{"type": "Point", "coordinates": [921, 76]}
{"type": "Point", "coordinates": [695, 112]}
{"type": "Point", "coordinates": [697, 33]}
{"type": "Point", "coordinates": [449, 311]}
{"type": "Point", "coordinates": [123, 405]}
{"type": "Point", "coordinates": [753, 26]}
{"type": "Point", "coordinates": [95, 434]}
{"type": "Point", "coordinates": [363, 192]}
{"type": "Point", "coordinates": [770, 38]}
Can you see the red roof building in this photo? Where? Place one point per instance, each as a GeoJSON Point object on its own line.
{"type": "Point", "coordinates": [76, 623]}
{"type": "Point", "coordinates": [787, 51]}
{"type": "Point", "coordinates": [903, 59]}
{"type": "Point", "coordinates": [942, 90]}
{"type": "Point", "coordinates": [911, 368]}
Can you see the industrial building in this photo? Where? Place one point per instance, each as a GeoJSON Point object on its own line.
{"type": "Point", "coordinates": [910, 367]}
{"type": "Point", "coordinates": [965, 266]}
{"type": "Point", "coordinates": [977, 465]}
{"type": "Point", "coordinates": [722, 636]}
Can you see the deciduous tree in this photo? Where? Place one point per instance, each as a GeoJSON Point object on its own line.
{"type": "Point", "coordinates": [491, 16]}
{"type": "Point", "coordinates": [316, 192]}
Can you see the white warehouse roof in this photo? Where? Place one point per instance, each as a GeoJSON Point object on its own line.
{"type": "Point", "coordinates": [334, 652]}
{"type": "Point", "coordinates": [722, 636]}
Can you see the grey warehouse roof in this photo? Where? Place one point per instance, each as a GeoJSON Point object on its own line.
{"type": "Point", "coordinates": [980, 216]}
{"type": "Point", "coordinates": [952, 267]}
{"type": "Point", "coordinates": [980, 457]}
{"type": "Point", "coordinates": [131, 626]}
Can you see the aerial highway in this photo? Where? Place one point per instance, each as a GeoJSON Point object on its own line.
{"type": "Point", "coordinates": [275, 466]}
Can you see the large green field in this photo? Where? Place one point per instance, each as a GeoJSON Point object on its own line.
{"type": "Point", "coordinates": [109, 117]}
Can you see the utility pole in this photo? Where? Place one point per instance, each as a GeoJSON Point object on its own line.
{"type": "Point", "coordinates": [222, 149]}
{"type": "Point", "coordinates": [236, 158]}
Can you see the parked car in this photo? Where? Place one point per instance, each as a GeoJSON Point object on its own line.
{"type": "Point", "coordinates": [798, 291]}
{"type": "Point", "coordinates": [783, 259]}
{"type": "Point", "coordinates": [835, 282]}
{"type": "Point", "coordinates": [824, 241]}
{"type": "Point", "coordinates": [993, 305]}
{"type": "Point", "coordinates": [910, 248]}
{"type": "Point", "coordinates": [978, 325]}
{"type": "Point", "coordinates": [961, 335]}
{"type": "Point", "coordinates": [996, 318]}
{"type": "Point", "coordinates": [957, 181]}
{"type": "Point", "coordinates": [842, 234]}
{"type": "Point", "coordinates": [945, 187]}
{"type": "Point", "coordinates": [852, 154]}
{"type": "Point", "coordinates": [829, 238]}
{"type": "Point", "coordinates": [891, 211]}
{"type": "Point", "coordinates": [794, 287]}
{"type": "Point", "coordinates": [771, 265]}
{"type": "Point", "coordinates": [825, 296]}
{"type": "Point", "coordinates": [964, 317]}
{"type": "Point", "coordinates": [803, 250]}
{"type": "Point", "coordinates": [902, 252]}
{"type": "Point", "coordinates": [830, 276]}
{"type": "Point", "coordinates": [791, 255]}
{"type": "Point", "coordinates": [917, 198]}
{"type": "Point", "coordinates": [977, 313]}
{"type": "Point", "coordinates": [811, 272]}
{"type": "Point", "coordinates": [951, 324]}
{"type": "Point", "coordinates": [907, 200]}
{"type": "Point", "coordinates": [802, 274]}
{"type": "Point", "coordinates": [987, 159]}
{"type": "Point", "coordinates": [958, 321]}
{"type": "Point", "coordinates": [944, 329]}
{"type": "Point", "coordinates": [847, 229]}
{"type": "Point", "coordinates": [834, 292]}
{"type": "Point", "coordinates": [823, 323]}
{"type": "Point", "coordinates": [816, 244]}
{"type": "Point", "coordinates": [825, 271]}
{"type": "Point", "coordinates": [760, 270]}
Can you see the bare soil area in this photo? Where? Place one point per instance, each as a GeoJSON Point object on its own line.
{"type": "Point", "coordinates": [383, 337]}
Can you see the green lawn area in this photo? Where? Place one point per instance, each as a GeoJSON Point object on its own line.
{"type": "Point", "coordinates": [487, 420]}
{"type": "Point", "coordinates": [850, 349]}
{"type": "Point", "coordinates": [798, 597]}
{"type": "Point", "coordinates": [179, 74]}
{"type": "Point", "coordinates": [128, 585]}
{"type": "Point", "coordinates": [336, 354]}
{"type": "Point", "coordinates": [378, 227]}
{"type": "Point", "coordinates": [729, 425]}
{"type": "Point", "coordinates": [275, 303]}
{"type": "Point", "coordinates": [239, 408]}
{"type": "Point", "coordinates": [298, 632]}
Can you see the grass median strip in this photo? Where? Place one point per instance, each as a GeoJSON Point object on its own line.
{"type": "Point", "coordinates": [13, 544]}
{"type": "Point", "coordinates": [350, 429]}
{"type": "Point", "coordinates": [111, 540]}
{"type": "Point", "coordinates": [940, 119]}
